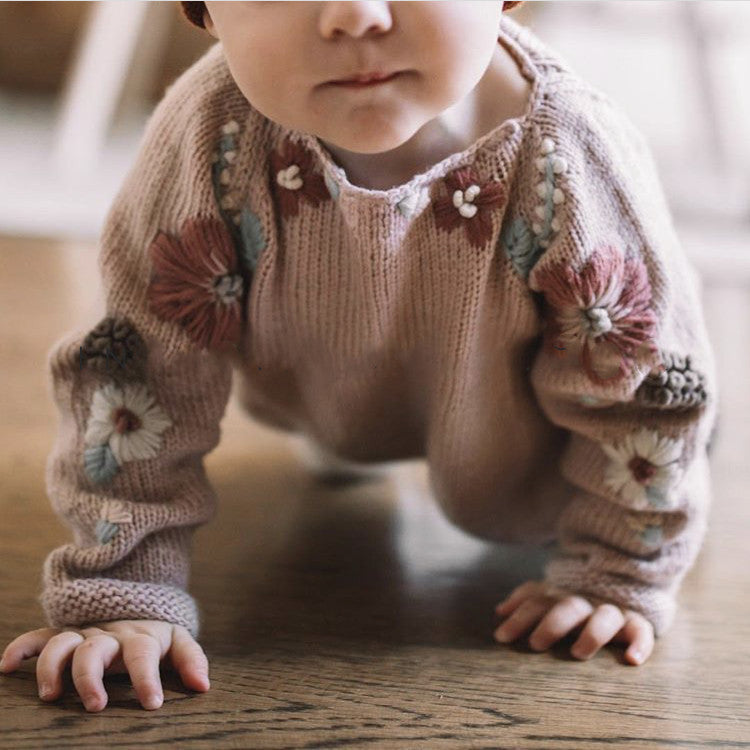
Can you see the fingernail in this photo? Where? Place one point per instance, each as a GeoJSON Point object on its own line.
{"type": "Point", "coordinates": [637, 655]}
{"type": "Point", "coordinates": [92, 702]}
{"type": "Point", "coordinates": [45, 690]}
{"type": "Point", "coordinates": [153, 701]}
{"type": "Point", "coordinates": [501, 635]}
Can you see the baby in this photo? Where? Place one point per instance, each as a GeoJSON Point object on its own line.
{"type": "Point", "coordinates": [411, 231]}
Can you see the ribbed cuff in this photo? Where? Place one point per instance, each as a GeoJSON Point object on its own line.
{"type": "Point", "coordinates": [88, 601]}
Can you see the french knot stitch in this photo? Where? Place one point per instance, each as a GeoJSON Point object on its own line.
{"type": "Point", "coordinates": [676, 385]}
{"type": "Point", "coordinates": [289, 178]}
{"type": "Point", "coordinates": [115, 348]}
{"type": "Point", "coordinates": [463, 200]}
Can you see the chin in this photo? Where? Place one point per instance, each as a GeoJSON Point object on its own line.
{"type": "Point", "coordinates": [376, 142]}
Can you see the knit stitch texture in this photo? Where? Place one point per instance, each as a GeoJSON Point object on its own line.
{"type": "Point", "coordinates": [521, 315]}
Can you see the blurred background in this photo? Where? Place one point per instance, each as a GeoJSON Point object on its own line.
{"type": "Point", "coordinates": [79, 79]}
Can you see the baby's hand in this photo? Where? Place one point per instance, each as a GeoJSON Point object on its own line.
{"type": "Point", "coordinates": [133, 646]}
{"type": "Point", "coordinates": [562, 612]}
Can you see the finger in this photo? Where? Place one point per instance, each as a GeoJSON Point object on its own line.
{"type": "Point", "coordinates": [639, 632]}
{"type": "Point", "coordinates": [90, 660]}
{"type": "Point", "coordinates": [142, 654]}
{"type": "Point", "coordinates": [25, 646]}
{"type": "Point", "coordinates": [602, 626]}
{"type": "Point", "coordinates": [189, 659]}
{"type": "Point", "coordinates": [527, 615]}
{"type": "Point", "coordinates": [52, 661]}
{"type": "Point", "coordinates": [519, 594]}
{"type": "Point", "coordinates": [559, 621]}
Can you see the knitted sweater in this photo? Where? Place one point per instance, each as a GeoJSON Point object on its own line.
{"type": "Point", "coordinates": [521, 315]}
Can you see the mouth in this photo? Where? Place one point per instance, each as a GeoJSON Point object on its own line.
{"type": "Point", "coordinates": [368, 79]}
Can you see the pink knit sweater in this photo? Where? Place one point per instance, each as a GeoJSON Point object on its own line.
{"type": "Point", "coordinates": [521, 315]}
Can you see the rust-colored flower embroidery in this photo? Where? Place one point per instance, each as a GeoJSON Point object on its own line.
{"type": "Point", "coordinates": [607, 302]}
{"type": "Point", "coordinates": [469, 204]}
{"type": "Point", "coordinates": [196, 282]}
{"type": "Point", "coordinates": [293, 176]}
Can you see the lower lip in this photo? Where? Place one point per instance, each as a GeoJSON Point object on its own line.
{"type": "Point", "coordinates": [365, 85]}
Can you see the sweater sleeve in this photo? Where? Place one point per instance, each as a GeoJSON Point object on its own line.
{"type": "Point", "coordinates": [624, 365]}
{"type": "Point", "coordinates": [141, 392]}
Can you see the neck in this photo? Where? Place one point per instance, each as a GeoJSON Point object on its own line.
{"type": "Point", "coordinates": [501, 93]}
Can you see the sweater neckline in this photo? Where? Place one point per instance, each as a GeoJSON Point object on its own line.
{"type": "Point", "coordinates": [505, 133]}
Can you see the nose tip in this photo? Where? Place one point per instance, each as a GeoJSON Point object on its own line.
{"type": "Point", "coordinates": [355, 19]}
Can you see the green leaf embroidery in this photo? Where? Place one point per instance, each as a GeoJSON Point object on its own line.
{"type": "Point", "coordinates": [652, 535]}
{"type": "Point", "coordinates": [520, 246]}
{"type": "Point", "coordinates": [105, 530]}
{"type": "Point", "coordinates": [252, 238]}
{"type": "Point", "coordinates": [99, 463]}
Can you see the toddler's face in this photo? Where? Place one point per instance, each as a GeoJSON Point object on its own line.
{"type": "Point", "coordinates": [284, 55]}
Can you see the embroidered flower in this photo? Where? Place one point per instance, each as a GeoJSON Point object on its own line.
{"type": "Point", "coordinates": [114, 347]}
{"type": "Point", "coordinates": [113, 513]}
{"type": "Point", "coordinates": [469, 204]}
{"type": "Point", "coordinates": [607, 302]}
{"type": "Point", "coordinates": [523, 244]}
{"type": "Point", "coordinates": [674, 384]}
{"type": "Point", "coordinates": [643, 467]}
{"type": "Point", "coordinates": [196, 282]}
{"type": "Point", "coordinates": [292, 171]}
{"type": "Point", "coordinates": [550, 165]}
{"type": "Point", "coordinates": [243, 225]}
{"type": "Point", "coordinates": [125, 424]}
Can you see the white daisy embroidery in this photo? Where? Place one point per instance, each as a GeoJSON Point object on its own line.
{"type": "Point", "coordinates": [643, 467]}
{"type": "Point", "coordinates": [128, 420]}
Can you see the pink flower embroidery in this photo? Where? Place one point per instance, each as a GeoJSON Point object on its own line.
{"type": "Point", "coordinates": [292, 172]}
{"type": "Point", "coordinates": [607, 302]}
{"type": "Point", "coordinates": [196, 282]}
{"type": "Point", "coordinates": [469, 204]}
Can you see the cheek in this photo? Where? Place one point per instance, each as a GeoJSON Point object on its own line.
{"type": "Point", "coordinates": [469, 44]}
{"type": "Point", "coordinates": [457, 48]}
{"type": "Point", "coordinates": [262, 77]}
{"type": "Point", "coordinates": [454, 74]}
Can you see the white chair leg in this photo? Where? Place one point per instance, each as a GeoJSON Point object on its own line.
{"type": "Point", "coordinates": [93, 90]}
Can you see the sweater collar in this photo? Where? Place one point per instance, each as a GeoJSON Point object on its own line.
{"type": "Point", "coordinates": [502, 139]}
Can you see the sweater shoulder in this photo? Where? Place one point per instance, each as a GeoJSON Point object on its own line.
{"type": "Point", "coordinates": [590, 127]}
{"type": "Point", "coordinates": [187, 121]}
{"type": "Point", "coordinates": [192, 135]}
{"type": "Point", "coordinates": [203, 95]}
{"type": "Point", "coordinates": [591, 169]}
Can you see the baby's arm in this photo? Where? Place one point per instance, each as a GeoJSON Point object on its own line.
{"type": "Point", "coordinates": [626, 366]}
{"type": "Point", "coordinates": [141, 394]}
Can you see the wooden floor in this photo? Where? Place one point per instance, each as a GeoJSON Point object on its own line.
{"type": "Point", "coordinates": [357, 616]}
